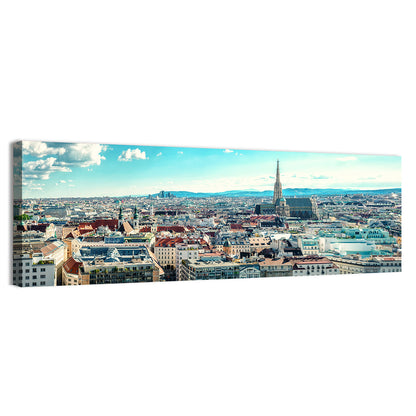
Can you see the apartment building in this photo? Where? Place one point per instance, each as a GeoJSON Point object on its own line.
{"type": "Point", "coordinates": [185, 251]}
{"type": "Point", "coordinates": [214, 268]}
{"type": "Point", "coordinates": [258, 244]}
{"type": "Point", "coordinates": [102, 264]}
{"type": "Point", "coordinates": [30, 269]}
{"type": "Point", "coordinates": [374, 264]}
{"type": "Point", "coordinates": [276, 267]}
{"type": "Point", "coordinates": [313, 266]}
{"type": "Point", "coordinates": [165, 251]}
{"type": "Point", "coordinates": [309, 246]}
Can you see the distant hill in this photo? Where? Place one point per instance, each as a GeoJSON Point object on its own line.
{"type": "Point", "coordinates": [286, 192]}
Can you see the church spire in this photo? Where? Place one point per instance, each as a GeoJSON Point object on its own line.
{"type": "Point", "coordinates": [277, 194]}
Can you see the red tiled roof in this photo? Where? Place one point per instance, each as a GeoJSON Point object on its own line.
{"type": "Point", "coordinates": [72, 266]}
{"type": "Point", "coordinates": [73, 234]}
{"type": "Point", "coordinates": [168, 242]}
{"type": "Point", "coordinates": [236, 227]}
{"type": "Point", "coordinates": [174, 228]}
{"type": "Point", "coordinates": [46, 250]}
{"type": "Point", "coordinates": [111, 224]}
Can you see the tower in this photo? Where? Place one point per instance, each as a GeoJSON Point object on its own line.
{"type": "Point", "coordinates": [120, 217]}
{"type": "Point", "coordinates": [277, 194]}
{"type": "Point", "coordinates": [282, 209]}
{"type": "Point", "coordinates": [153, 228]}
{"type": "Point", "coordinates": [135, 219]}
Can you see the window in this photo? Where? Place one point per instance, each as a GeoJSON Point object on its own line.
{"type": "Point", "coordinates": [42, 275]}
{"type": "Point", "coordinates": [42, 270]}
{"type": "Point", "coordinates": [42, 283]}
{"type": "Point", "coordinates": [27, 271]}
{"type": "Point", "coordinates": [34, 284]}
{"type": "Point", "coordinates": [27, 284]}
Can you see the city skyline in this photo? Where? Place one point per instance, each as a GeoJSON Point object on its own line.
{"type": "Point", "coordinates": [58, 170]}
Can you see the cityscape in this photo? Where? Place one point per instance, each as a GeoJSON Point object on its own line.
{"type": "Point", "coordinates": [87, 214]}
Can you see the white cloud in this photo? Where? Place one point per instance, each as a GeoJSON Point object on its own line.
{"type": "Point", "coordinates": [180, 152]}
{"type": "Point", "coordinates": [130, 154]}
{"type": "Point", "coordinates": [228, 151]}
{"type": "Point", "coordinates": [42, 168]}
{"type": "Point", "coordinates": [41, 149]}
{"type": "Point", "coordinates": [82, 154]}
{"type": "Point", "coordinates": [346, 159]}
{"type": "Point", "coordinates": [62, 181]}
{"type": "Point", "coordinates": [159, 154]}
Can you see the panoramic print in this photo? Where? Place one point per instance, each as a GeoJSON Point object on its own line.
{"type": "Point", "coordinates": [86, 214]}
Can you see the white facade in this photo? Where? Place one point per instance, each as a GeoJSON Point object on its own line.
{"type": "Point", "coordinates": [185, 252]}
{"type": "Point", "coordinates": [30, 271]}
{"type": "Point", "coordinates": [308, 246]}
{"type": "Point", "coordinates": [345, 246]}
{"type": "Point", "coordinates": [166, 256]}
{"type": "Point", "coordinates": [389, 264]}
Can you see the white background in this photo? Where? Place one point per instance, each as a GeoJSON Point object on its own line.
{"type": "Point", "coordinates": [319, 75]}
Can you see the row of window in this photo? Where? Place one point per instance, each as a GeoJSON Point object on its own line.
{"type": "Point", "coordinates": [35, 284]}
{"type": "Point", "coordinates": [42, 276]}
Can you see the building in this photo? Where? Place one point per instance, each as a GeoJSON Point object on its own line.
{"type": "Point", "coordinates": [165, 251]}
{"type": "Point", "coordinates": [374, 264]}
{"type": "Point", "coordinates": [375, 235]}
{"type": "Point", "coordinates": [309, 246]}
{"type": "Point", "coordinates": [110, 263]}
{"type": "Point", "coordinates": [31, 269]}
{"type": "Point", "coordinates": [258, 244]}
{"type": "Point", "coordinates": [265, 209]}
{"type": "Point", "coordinates": [235, 246]}
{"type": "Point", "coordinates": [185, 251]}
{"type": "Point", "coordinates": [57, 252]}
{"type": "Point", "coordinates": [347, 246]}
{"type": "Point", "coordinates": [304, 208]}
{"type": "Point", "coordinates": [313, 266]}
{"type": "Point", "coordinates": [276, 267]}
{"type": "Point", "coordinates": [214, 268]}
{"type": "Point", "coordinates": [57, 211]}
{"type": "Point", "coordinates": [282, 209]}
{"type": "Point", "coordinates": [355, 264]}
{"type": "Point", "coordinates": [389, 264]}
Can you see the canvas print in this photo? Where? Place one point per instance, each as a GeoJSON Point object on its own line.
{"type": "Point", "coordinates": [87, 214]}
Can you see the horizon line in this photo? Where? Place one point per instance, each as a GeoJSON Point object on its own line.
{"type": "Point", "coordinates": [220, 192]}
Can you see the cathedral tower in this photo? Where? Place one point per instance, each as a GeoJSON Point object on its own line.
{"type": "Point", "coordinates": [282, 209]}
{"type": "Point", "coordinates": [277, 194]}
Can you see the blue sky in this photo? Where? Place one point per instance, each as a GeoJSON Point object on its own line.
{"type": "Point", "coordinates": [89, 169]}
